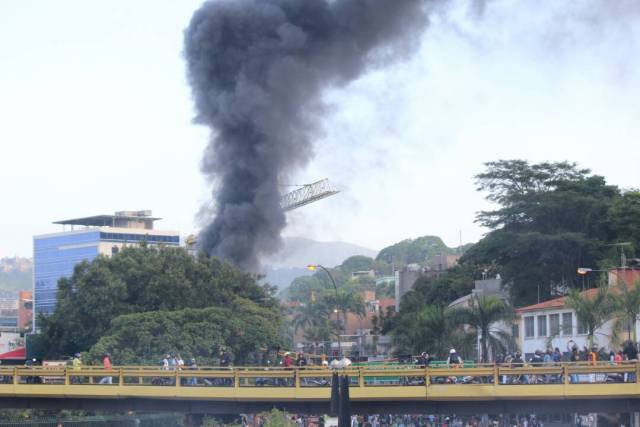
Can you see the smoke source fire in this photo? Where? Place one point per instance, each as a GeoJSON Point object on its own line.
{"type": "Point", "coordinates": [258, 69]}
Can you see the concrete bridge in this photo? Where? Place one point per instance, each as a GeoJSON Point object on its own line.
{"type": "Point", "coordinates": [392, 389]}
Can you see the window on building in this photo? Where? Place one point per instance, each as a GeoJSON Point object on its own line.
{"type": "Point", "coordinates": [542, 326]}
{"type": "Point", "coordinates": [582, 326]}
{"type": "Point", "coordinates": [567, 323]}
{"type": "Point", "coordinates": [554, 324]}
{"type": "Point", "coordinates": [515, 330]}
{"type": "Point", "coordinates": [529, 331]}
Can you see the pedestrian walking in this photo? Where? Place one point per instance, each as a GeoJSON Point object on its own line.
{"type": "Point", "coordinates": [106, 364]}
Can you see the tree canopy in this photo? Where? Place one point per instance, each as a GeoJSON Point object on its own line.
{"type": "Point", "coordinates": [244, 328]}
{"type": "Point", "coordinates": [145, 281]}
{"type": "Point", "coordinates": [551, 219]}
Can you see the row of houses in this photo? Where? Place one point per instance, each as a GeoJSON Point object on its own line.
{"type": "Point", "coordinates": [550, 323]}
{"type": "Point", "coordinates": [553, 323]}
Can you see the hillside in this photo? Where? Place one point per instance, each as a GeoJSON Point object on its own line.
{"type": "Point", "coordinates": [395, 256]}
{"type": "Point", "coordinates": [16, 274]}
{"type": "Point", "coordinates": [417, 250]}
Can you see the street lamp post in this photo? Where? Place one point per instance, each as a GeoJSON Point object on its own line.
{"type": "Point", "coordinates": [583, 271]}
{"type": "Point", "coordinates": [335, 287]}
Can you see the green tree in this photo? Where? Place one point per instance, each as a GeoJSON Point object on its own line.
{"type": "Point", "coordinates": [427, 329]}
{"type": "Point", "coordinates": [244, 328]}
{"type": "Point", "coordinates": [309, 315]}
{"type": "Point", "coordinates": [483, 317]}
{"type": "Point", "coordinates": [441, 290]}
{"type": "Point", "coordinates": [138, 280]}
{"type": "Point", "coordinates": [626, 303]}
{"type": "Point", "coordinates": [551, 219]}
{"type": "Point", "coordinates": [593, 309]}
{"type": "Point", "coordinates": [357, 263]}
{"type": "Point", "coordinates": [625, 218]}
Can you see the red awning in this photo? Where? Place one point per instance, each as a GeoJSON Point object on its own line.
{"type": "Point", "coordinates": [18, 353]}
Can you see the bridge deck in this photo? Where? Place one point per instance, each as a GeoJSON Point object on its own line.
{"type": "Point", "coordinates": [489, 383]}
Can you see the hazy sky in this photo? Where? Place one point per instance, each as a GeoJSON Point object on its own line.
{"type": "Point", "coordinates": [95, 116]}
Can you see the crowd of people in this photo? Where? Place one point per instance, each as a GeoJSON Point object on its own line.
{"type": "Point", "coordinates": [291, 360]}
{"type": "Point", "coordinates": [405, 420]}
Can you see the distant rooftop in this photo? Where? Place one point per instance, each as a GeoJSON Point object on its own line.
{"type": "Point", "coordinates": [125, 219]}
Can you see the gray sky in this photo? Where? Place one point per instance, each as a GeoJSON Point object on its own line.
{"type": "Point", "coordinates": [95, 116]}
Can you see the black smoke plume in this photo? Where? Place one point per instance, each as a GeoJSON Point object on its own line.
{"type": "Point", "coordinates": [258, 69]}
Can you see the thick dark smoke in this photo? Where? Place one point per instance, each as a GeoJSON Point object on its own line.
{"type": "Point", "coordinates": [258, 69]}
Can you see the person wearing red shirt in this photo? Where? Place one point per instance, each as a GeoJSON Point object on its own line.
{"type": "Point", "coordinates": [287, 362]}
{"type": "Point", "coordinates": [106, 363]}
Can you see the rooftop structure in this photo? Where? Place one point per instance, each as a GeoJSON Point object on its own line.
{"type": "Point", "coordinates": [121, 219]}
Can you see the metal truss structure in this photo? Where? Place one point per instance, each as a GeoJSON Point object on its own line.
{"type": "Point", "coordinates": [307, 194]}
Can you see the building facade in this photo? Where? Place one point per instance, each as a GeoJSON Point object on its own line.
{"type": "Point", "coordinates": [554, 324]}
{"type": "Point", "coordinates": [55, 255]}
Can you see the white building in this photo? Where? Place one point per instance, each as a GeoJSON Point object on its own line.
{"type": "Point", "coordinates": [553, 324]}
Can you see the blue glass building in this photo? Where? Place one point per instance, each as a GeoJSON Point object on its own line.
{"type": "Point", "coordinates": [55, 255]}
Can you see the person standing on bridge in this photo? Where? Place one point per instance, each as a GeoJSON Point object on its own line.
{"type": "Point", "coordinates": [593, 361]}
{"type": "Point", "coordinates": [574, 358]}
{"type": "Point", "coordinates": [454, 361]}
{"type": "Point", "coordinates": [194, 367]}
{"type": "Point", "coordinates": [77, 366]}
{"type": "Point", "coordinates": [225, 359]}
{"type": "Point", "coordinates": [631, 354]}
{"type": "Point", "coordinates": [106, 363]}
{"type": "Point", "coordinates": [287, 361]}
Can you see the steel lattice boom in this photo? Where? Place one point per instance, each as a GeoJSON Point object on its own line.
{"type": "Point", "coordinates": [307, 194]}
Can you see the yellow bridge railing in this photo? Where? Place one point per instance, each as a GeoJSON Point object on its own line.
{"type": "Point", "coordinates": [482, 382]}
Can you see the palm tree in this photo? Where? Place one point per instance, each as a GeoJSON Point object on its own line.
{"type": "Point", "coordinates": [428, 329]}
{"type": "Point", "coordinates": [309, 315]}
{"type": "Point", "coordinates": [482, 316]}
{"type": "Point", "coordinates": [627, 304]}
{"type": "Point", "coordinates": [348, 302]}
{"type": "Point", "coordinates": [593, 309]}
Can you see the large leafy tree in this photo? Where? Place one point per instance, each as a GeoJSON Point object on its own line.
{"type": "Point", "coordinates": [625, 218]}
{"type": "Point", "coordinates": [551, 218]}
{"type": "Point", "coordinates": [138, 280]}
{"type": "Point", "coordinates": [243, 328]}
{"type": "Point", "coordinates": [440, 290]}
{"type": "Point", "coordinates": [483, 316]}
